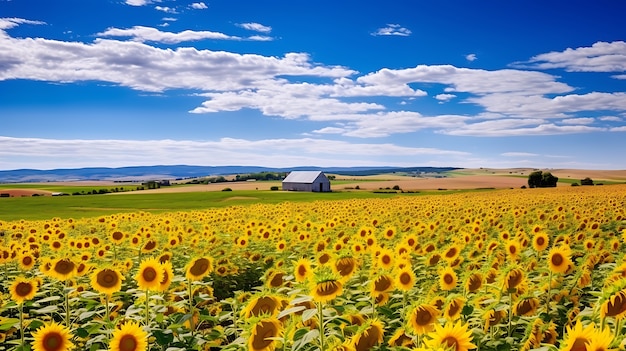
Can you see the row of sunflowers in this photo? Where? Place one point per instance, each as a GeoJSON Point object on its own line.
{"type": "Point", "coordinates": [499, 270]}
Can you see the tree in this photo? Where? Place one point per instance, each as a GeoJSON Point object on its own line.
{"type": "Point", "coordinates": [586, 181]}
{"type": "Point", "coordinates": [539, 179]}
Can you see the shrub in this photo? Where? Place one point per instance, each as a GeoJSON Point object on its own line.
{"type": "Point", "coordinates": [274, 188]}
{"type": "Point", "coordinates": [227, 189]}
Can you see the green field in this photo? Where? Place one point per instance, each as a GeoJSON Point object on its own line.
{"type": "Point", "coordinates": [43, 207]}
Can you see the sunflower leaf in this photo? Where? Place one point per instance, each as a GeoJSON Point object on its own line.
{"type": "Point", "coordinates": [308, 314]}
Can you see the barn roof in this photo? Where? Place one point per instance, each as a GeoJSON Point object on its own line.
{"type": "Point", "coordinates": [302, 177]}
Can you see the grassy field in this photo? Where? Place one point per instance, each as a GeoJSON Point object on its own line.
{"type": "Point", "coordinates": [33, 208]}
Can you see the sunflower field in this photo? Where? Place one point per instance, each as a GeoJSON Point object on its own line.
{"type": "Point", "coordinates": [499, 270]}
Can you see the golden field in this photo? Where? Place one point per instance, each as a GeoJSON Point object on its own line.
{"type": "Point", "coordinates": [500, 270]}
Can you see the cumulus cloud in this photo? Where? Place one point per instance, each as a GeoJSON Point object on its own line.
{"type": "Point", "coordinates": [578, 121]}
{"type": "Point", "coordinates": [471, 57]}
{"type": "Point", "coordinates": [600, 57]}
{"type": "Point", "coordinates": [199, 6]}
{"type": "Point", "coordinates": [444, 97]}
{"type": "Point", "coordinates": [392, 29]}
{"type": "Point", "coordinates": [166, 9]}
{"type": "Point", "coordinates": [226, 151]}
{"type": "Point", "coordinates": [137, 2]}
{"type": "Point", "coordinates": [8, 23]}
{"type": "Point", "coordinates": [257, 27]}
{"type": "Point", "coordinates": [140, 33]}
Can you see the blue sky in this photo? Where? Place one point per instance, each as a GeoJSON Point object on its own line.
{"type": "Point", "coordinates": [497, 84]}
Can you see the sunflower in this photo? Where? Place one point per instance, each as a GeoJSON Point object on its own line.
{"type": "Point", "coordinates": [474, 282]}
{"type": "Point", "coordinates": [451, 253]}
{"type": "Point", "coordinates": [263, 335]}
{"type": "Point", "coordinates": [405, 279]}
{"type": "Point", "coordinates": [540, 241]}
{"type": "Point", "coordinates": [451, 336]}
{"type": "Point", "coordinates": [601, 341]}
{"type": "Point", "coordinates": [400, 338]}
{"type": "Point", "coordinates": [447, 279]}
{"type": "Point", "coordinates": [274, 278]}
{"type": "Point", "coordinates": [578, 337]}
{"type": "Point", "coordinates": [493, 317]}
{"type": "Point", "coordinates": [262, 305]}
{"type": "Point", "coordinates": [52, 337]}
{"type": "Point", "coordinates": [513, 279]}
{"type": "Point", "coordinates": [368, 336]}
{"type": "Point", "coordinates": [526, 306]}
{"type": "Point", "coordinates": [326, 290]}
{"type": "Point", "coordinates": [345, 266]}
{"type": "Point", "coordinates": [23, 289]}
{"type": "Point", "coordinates": [199, 268]}
{"type": "Point", "coordinates": [614, 305]}
{"type": "Point", "coordinates": [129, 337]}
{"type": "Point", "coordinates": [149, 275]}
{"type": "Point", "coordinates": [27, 261]}
{"type": "Point", "coordinates": [168, 275]}
{"type": "Point", "coordinates": [62, 269]}
{"type": "Point", "coordinates": [385, 258]}
{"type": "Point", "coordinates": [381, 284]}
{"type": "Point", "coordinates": [422, 318]}
{"type": "Point", "coordinates": [513, 250]}
{"type": "Point", "coordinates": [117, 236]}
{"type": "Point", "coordinates": [106, 281]}
{"type": "Point", "coordinates": [302, 270]}
{"type": "Point", "coordinates": [454, 308]}
{"type": "Point", "coordinates": [559, 259]}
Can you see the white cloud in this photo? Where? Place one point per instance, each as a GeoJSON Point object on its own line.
{"type": "Point", "coordinates": [49, 153]}
{"type": "Point", "coordinates": [485, 130]}
{"type": "Point", "coordinates": [578, 121]}
{"type": "Point", "coordinates": [8, 23]}
{"type": "Point", "coordinates": [618, 129]}
{"type": "Point", "coordinates": [259, 38]}
{"type": "Point", "coordinates": [610, 119]}
{"type": "Point", "coordinates": [519, 154]}
{"type": "Point", "coordinates": [199, 6]}
{"type": "Point", "coordinates": [170, 19]}
{"type": "Point", "coordinates": [166, 9]}
{"type": "Point", "coordinates": [619, 76]}
{"type": "Point", "coordinates": [140, 33]}
{"type": "Point", "coordinates": [392, 29]}
{"type": "Point", "coordinates": [471, 57]}
{"type": "Point", "coordinates": [600, 57]}
{"type": "Point", "coordinates": [257, 27]}
{"type": "Point", "coordinates": [137, 2]}
{"type": "Point", "coordinates": [445, 97]}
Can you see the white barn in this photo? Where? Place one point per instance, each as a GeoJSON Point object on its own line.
{"type": "Point", "coordinates": [306, 181]}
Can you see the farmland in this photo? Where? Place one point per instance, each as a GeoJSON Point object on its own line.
{"type": "Point", "coordinates": [510, 269]}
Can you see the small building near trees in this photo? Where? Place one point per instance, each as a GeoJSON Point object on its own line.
{"type": "Point", "coordinates": [315, 181]}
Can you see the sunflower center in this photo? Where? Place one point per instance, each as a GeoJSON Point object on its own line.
{"type": "Point", "coordinates": [52, 341]}
{"type": "Point", "coordinates": [200, 266]}
{"type": "Point", "coordinates": [386, 259]}
{"type": "Point", "coordinates": [405, 278]}
{"type": "Point", "coordinates": [128, 343]}
{"type": "Point", "coordinates": [580, 344]}
{"type": "Point", "coordinates": [261, 339]}
{"type": "Point", "coordinates": [540, 241]}
{"type": "Point", "coordinates": [24, 288]}
{"type": "Point", "coordinates": [451, 253]}
{"type": "Point", "coordinates": [451, 342]}
{"type": "Point", "coordinates": [382, 284]}
{"type": "Point", "coordinates": [448, 279]}
{"type": "Point", "coordinates": [423, 317]}
{"type": "Point", "coordinates": [64, 267]}
{"type": "Point", "coordinates": [557, 259]}
{"type": "Point", "coordinates": [302, 270]}
{"type": "Point", "coordinates": [149, 274]}
{"type": "Point", "coordinates": [27, 260]}
{"type": "Point", "coordinates": [616, 305]}
{"type": "Point", "coordinates": [106, 278]}
{"type": "Point", "coordinates": [117, 236]}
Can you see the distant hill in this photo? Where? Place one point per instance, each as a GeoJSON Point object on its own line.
{"type": "Point", "coordinates": [142, 173]}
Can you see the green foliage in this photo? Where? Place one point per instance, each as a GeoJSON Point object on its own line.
{"type": "Point", "coordinates": [539, 179]}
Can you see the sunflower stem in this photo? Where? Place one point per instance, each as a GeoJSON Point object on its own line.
{"type": "Point", "coordinates": [549, 293]}
{"type": "Point", "coordinates": [21, 308]}
{"type": "Point", "coordinates": [147, 307]}
{"type": "Point", "coordinates": [191, 326]}
{"type": "Point", "coordinates": [107, 318]}
{"type": "Point", "coordinates": [67, 306]}
{"type": "Point", "coordinates": [510, 313]}
{"type": "Point", "coordinates": [320, 309]}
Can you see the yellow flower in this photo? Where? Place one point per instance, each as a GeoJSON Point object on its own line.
{"type": "Point", "coordinates": [168, 275]}
{"type": "Point", "coordinates": [23, 289]}
{"type": "Point", "coordinates": [381, 284]}
{"type": "Point", "coordinates": [52, 337]}
{"type": "Point", "coordinates": [302, 270]}
{"type": "Point", "coordinates": [129, 337]}
{"type": "Point", "coordinates": [405, 279]}
{"type": "Point", "coordinates": [577, 338]}
{"type": "Point", "coordinates": [540, 241]}
{"type": "Point", "coordinates": [474, 282]}
{"type": "Point", "coordinates": [454, 308]}
{"type": "Point", "coordinates": [369, 335]}
{"type": "Point", "coordinates": [345, 266]}
{"type": "Point", "coordinates": [106, 281]}
{"type": "Point", "coordinates": [326, 290]}
{"type": "Point", "coordinates": [451, 336]}
{"type": "Point", "coordinates": [263, 334]}
{"type": "Point", "coordinates": [262, 305]}
{"type": "Point", "coordinates": [199, 268]}
{"type": "Point", "coordinates": [62, 269]}
{"type": "Point", "coordinates": [422, 318]}
{"type": "Point", "coordinates": [559, 259]}
{"type": "Point", "coordinates": [614, 305]}
{"type": "Point", "coordinates": [149, 275]}
{"type": "Point", "coordinates": [526, 306]}
{"type": "Point", "coordinates": [27, 261]}
{"type": "Point", "coordinates": [447, 279]}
